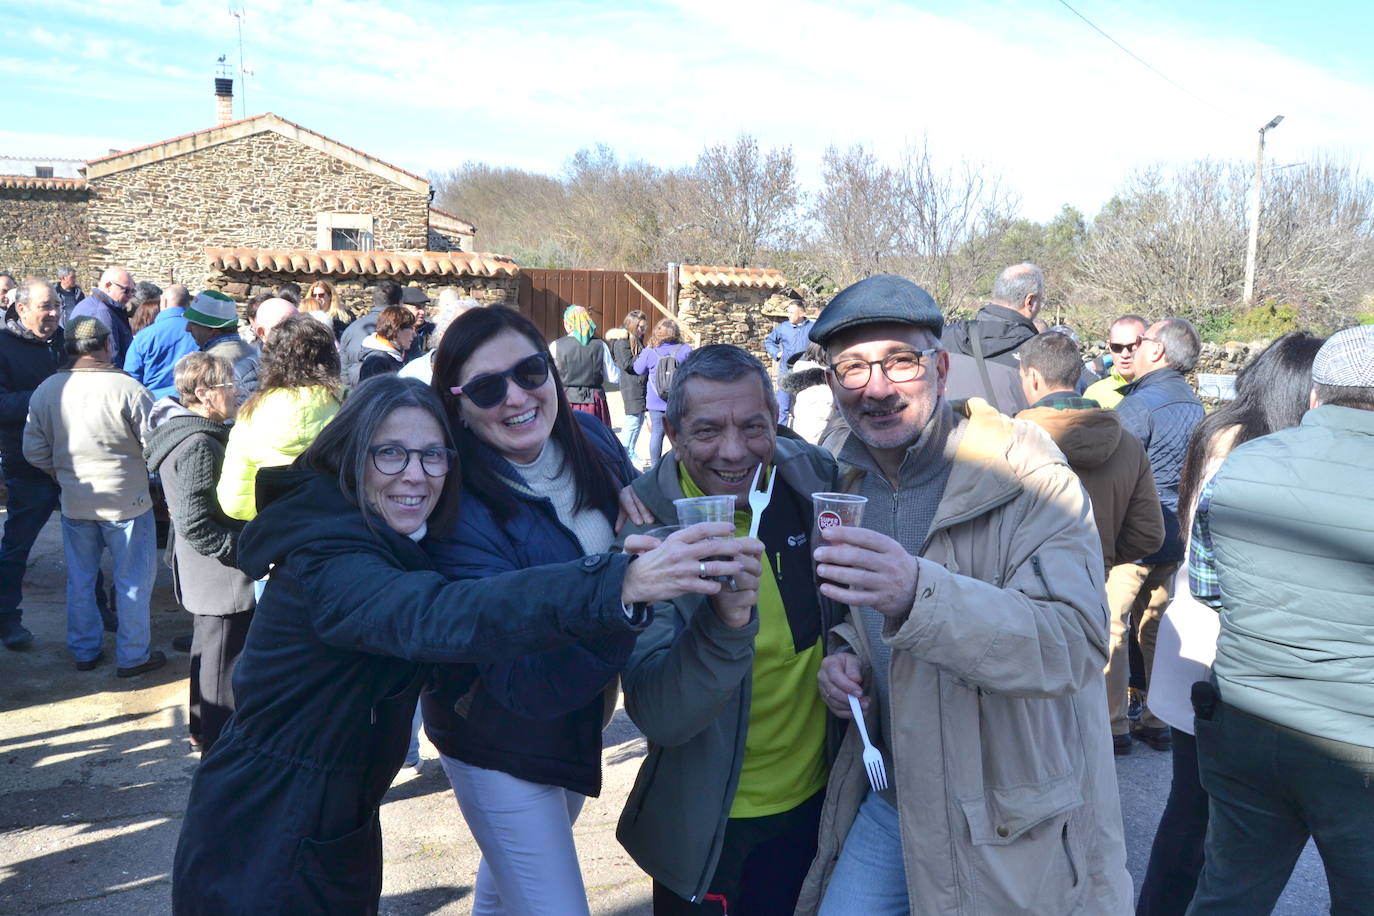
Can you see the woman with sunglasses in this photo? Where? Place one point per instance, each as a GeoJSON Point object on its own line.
{"type": "Point", "coordinates": [540, 485]}
{"type": "Point", "coordinates": [282, 815]}
{"type": "Point", "coordinates": [322, 302]}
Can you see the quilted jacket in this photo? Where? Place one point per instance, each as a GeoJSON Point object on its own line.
{"type": "Point", "coordinates": [1160, 408]}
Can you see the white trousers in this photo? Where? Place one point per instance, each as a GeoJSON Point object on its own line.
{"type": "Point", "coordinates": [524, 829]}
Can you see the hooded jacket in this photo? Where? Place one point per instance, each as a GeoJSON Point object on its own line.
{"type": "Point", "coordinates": [813, 403]}
{"type": "Point", "coordinates": [282, 816]}
{"type": "Point", "coordinates": [1111, 465]}
{"type": "Point", "coordinates": [1004, 775]}
{"type": "Point", "coordinates": [186, 451]}
{"type": "Point", "coordinates": [378, 357]}
{"type": "Point", "coordinates": [25, 361]}
{"type": "Point", "coordinates": [281, 426]}
{"type": "Point", "coordinates": [689, 679]}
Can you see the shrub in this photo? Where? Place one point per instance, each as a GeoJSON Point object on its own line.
{"type": "Point", "coordinates": [1266, 322]}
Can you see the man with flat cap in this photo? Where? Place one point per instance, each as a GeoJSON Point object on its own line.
{"type": "Point", "coordinates": [1283, 548]}
{"type": "Point", "coordinates": [975, 638]}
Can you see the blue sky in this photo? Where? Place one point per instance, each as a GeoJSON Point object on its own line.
{"type": "Point", "coordinates": [1023, 87]}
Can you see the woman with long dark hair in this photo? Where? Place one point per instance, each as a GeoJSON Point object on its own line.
{"type": "Point", "coordinates": [1272, 393]}
{"type": "Point", "coordinates": [282, 817]}
{"type": "Point", "coordinates": [541, 483]}
{"type": "Point", "coordinates": [626, 343]}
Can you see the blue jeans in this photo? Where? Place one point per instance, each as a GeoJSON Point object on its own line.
{"type": "Point", "coordinates": [33, 496]}
{"type": "Point", "coordinates": [634, 422]}
{"type": "Point", "coordinates": [133, 553]}
{"type": "Point", "coordinates": [784, 406]}
{"type": "Point", "coordinates": [413, 752]}
{"type": "Point", "coordinates": [655, 435]}
{"type": "Point", "coordinates": [870, 877]}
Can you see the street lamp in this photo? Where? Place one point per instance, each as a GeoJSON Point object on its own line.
{"type": "Point", "coordinates": [1253, 250]}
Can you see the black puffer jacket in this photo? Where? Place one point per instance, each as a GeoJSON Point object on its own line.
{"type": "Point", "coordinates": [1003, 331]}
{"type": "Point", "coordinates": [282, 817]}
{"type": "Point", "coordinates": [25, 361]}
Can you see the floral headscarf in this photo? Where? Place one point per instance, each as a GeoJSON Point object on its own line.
{"type": "Point", "coordinates": [577, 321]}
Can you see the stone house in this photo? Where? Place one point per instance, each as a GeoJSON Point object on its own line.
{"type": "Point", "coordinates": [261, 183]}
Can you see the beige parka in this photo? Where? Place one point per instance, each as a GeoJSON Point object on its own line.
{"type": "Point", "coordinates": [998, 730]}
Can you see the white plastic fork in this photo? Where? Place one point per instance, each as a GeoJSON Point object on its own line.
{"type": "Point", "coordinates": [758, 499]}
{"type": "Point", "coordinates": [873, 758]}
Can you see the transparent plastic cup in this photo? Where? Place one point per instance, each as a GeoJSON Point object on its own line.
{"type": "Point", "coordinates": [833, 510]}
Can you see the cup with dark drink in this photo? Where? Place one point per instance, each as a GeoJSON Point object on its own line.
{"type": "Point", "coordinates": [833, 510]}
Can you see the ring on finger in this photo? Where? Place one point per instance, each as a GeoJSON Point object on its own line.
{"type": "Point", "coordinates": [701, 569]}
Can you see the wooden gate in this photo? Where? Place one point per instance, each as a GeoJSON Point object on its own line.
{"type": "Point", "coordinates": [544, 294]}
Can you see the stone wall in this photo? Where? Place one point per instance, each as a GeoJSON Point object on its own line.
{"type": "Point", "coordinates": [260, 191]}
{"type": "Point", "coordinates": [42, 229]}
{"type": "Point", "coordinates": [355, 292]}
{"type": "Point", "coordinates": [739, 315]}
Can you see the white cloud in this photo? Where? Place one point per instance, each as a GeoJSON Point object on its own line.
{"type": "Point", "coordinates": [1062, 114]}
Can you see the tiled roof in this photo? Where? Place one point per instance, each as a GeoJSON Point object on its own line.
{"type": "Point", "coordinates": [371, 263]}
{"type": "Point", "coordinates": [761, 277]}
{"type": "Point", "coordinates": [458, 224]}
{"type": "Point", "coordinates": [50, 184]}
{"type": "Point", "coordinates": [246, 127]}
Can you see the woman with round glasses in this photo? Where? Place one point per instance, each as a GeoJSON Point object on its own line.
{"type": "Point", "coordinates": [282, 816]}
{"type": "Point", "coordinates": [540, 485]}
{"type": "Point", "coordinates": [322, 302]}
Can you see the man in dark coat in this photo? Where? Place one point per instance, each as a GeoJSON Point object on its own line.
{"type": "Point", "coordinates": [31, 349]}
{"type": "Point", "coordinates": [1005, 323]}
{"type": "Point", "coordinates": [384, 294]}
{"type": "Point", "coordinates": [1160, 408]}
{"type": "Point", "coordinates": [68, 292]}
{"type": "Point", "coordinates": [108, 304]}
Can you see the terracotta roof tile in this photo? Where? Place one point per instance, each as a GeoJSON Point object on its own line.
{"type": "Point", "coordinates": [367, 263]}
{"type": "Point", "coordinates": [701, 275]}
{"type": "Point", "coordinates": [52, 184]}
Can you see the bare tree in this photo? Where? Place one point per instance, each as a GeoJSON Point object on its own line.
{"type": "Point", "coordinates": [858, 214]}
{"type": "Point", "coordinates": [742, 200]}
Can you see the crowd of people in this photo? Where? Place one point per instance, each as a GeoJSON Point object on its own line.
{"type": "Point", "coordinates": [391, 520]}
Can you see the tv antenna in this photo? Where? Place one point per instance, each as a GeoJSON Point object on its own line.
{"type": "Point", "coordinates": [236, 10]}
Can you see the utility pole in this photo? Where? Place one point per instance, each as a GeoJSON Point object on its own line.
{"type": "Point", "coordinates": [1252, 251]}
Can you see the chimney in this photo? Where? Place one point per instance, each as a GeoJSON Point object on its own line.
{"type": "Point", "coordinates": [224, 101]}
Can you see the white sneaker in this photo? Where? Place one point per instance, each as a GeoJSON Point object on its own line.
{"type": "Point", "coordinates": [408, 771]}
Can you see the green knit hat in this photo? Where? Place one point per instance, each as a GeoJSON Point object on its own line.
{"type": "Point", "coordinates": [212, 309]}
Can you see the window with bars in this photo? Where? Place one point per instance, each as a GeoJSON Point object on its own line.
{"type": "Point", "coordinates": [42, 171]}
{"type": "Point", "coordinates": [350, 240]}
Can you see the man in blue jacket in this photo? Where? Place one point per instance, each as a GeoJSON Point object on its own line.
{"type": "Point", "coordinates": [31, 349]}
{"type": "Point", "coordinates": [108, 304]}
{"type": "Point", "coordinates": [1160, 408]}
{"type": "Point", "coordinates": [784, 343]}
{"type": "Point", "coordinates": [156, 350]}
{"type": "Point", "coordinates": [1283, 547]}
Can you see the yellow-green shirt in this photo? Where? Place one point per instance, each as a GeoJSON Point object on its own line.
{"type": "Point", "coordinates": [1106, 392]}
{"type": "Point", "coordinates": [784, 750]}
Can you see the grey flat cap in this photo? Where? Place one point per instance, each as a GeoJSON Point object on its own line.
{"type": "Point", "coordinates": [878, 299]}
{"type": "Point", "coordinates": [1346, 360]}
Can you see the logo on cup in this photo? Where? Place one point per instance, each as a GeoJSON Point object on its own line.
{"type": "Point", "coordinates": [827, 520]}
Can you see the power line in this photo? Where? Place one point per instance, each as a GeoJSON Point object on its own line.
{"type": "Point", "coordinates": [1144, 63]}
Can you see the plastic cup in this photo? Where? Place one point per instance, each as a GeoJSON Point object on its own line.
{"type": "Point", "coordinates": [833, 510]}
{"type": "Point", "coordinates": [693, 510]}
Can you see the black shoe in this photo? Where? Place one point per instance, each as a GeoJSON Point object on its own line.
{"type": "Point", "coordinates": [1134, 705]}
{"type": "Point", "coordinates": [155, 661]}
{"type": "Point", "coordinates": [90, 663]}
{"type": "Point", "coordinates": [1157, 738]}
{"type": "Point", "coordinates": [1121, 745]}
{"type": "Point", "coordinates": [15, 636]}
{"type": "Point", "coordinates": [182, 643]}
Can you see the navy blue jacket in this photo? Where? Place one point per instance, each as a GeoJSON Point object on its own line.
{"type": "Point", "coordinates": [25, 361]}
{"type": "Point", "coordinates": [114, 316]}
{"type": "Point", "coordinates": [1161, 409]}
{"type": "Point", "coordinates": [282, 816]}
{"type": "Point", "coordinates": [554, 735]}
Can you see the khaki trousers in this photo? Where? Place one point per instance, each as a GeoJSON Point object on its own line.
{"type": "Point", "coordinates": [1137, 596]}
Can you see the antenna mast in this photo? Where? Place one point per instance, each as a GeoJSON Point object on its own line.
{"type": "Point", "coordinates": [237, 12]}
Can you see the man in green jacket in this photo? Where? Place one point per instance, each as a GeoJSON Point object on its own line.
{"type": "Point", "coordinates": [725, 809]}
{"type": "Point", "coordinates": [1283, 547]}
